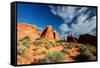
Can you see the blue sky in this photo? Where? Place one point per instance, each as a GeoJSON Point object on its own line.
{"type": "Point", "coordinates": [39, 15]}
{"type": "Point", "coordinates": [66, 20]}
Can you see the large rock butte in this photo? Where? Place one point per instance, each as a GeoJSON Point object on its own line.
{"type": "Point", "coordinates": [87, 38]}
{"type": "Point", "coordinates": [50, 34]}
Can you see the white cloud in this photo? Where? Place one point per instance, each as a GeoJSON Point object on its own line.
{"type": "Point", "coordinates": [86, 26]}
{"type": "Point", "coordinates": [82, 10]}
{"type": "Point", "coordinates": [82, 18]}
{"type": "Point", "coordinates": [67, 13]}
{"type": "Point", "coordinates": [53, 9]}
{"type": "Point", "coordinates": [83, 25]}
{"type": "Point", "coordinates": [64, 28]}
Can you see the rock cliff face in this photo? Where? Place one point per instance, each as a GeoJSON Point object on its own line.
{"type": "Point", "coordinates": [72, 39]}
{"type": "Point", "coordinates": [50, 34]}
{"type": "Point", "coordinates": [87, 38]}
{"type": "Point", "coordinates": [31, 31]}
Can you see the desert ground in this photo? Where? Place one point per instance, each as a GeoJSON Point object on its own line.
{"type": "Point", "coordinates": [38, 47]}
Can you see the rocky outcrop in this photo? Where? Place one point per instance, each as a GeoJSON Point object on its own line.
{"type": "Point", "coordinates": [24, 30]}
{"type": "Point", "coordinates": [87, 38]}
{"type": "Point", "coordinates": [72, 39]}
{"type": "Point", "coordinates": [50, 34]}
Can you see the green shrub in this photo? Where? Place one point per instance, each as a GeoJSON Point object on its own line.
{"type": "Point", "coordinates": [70, 45]}
{"type": "Point", "coordinates": [91, 48]}
{"type": "Point", "coordinates": [25, 41]}
{"type": "Point", "coordinates": [25, 38]}
{"type": "Point", "coordinates": [63, 43]}
{"type": "Point", "coordinates": [52, 57]}
{"type": "Point", "coordinates": [85, 54]}
{"type": "Point", "coordinates": [21, 50]}
{"type": "Point", "coordinates": [51, 43]}
{"type": "Point", "coordinates": [57, 44]}
{"type": "Point", "coordinates": [38, 41]}
{"type": "Point", "coordinates": [65, 51]}
{"type": "Point", "coordinates": [46, 46]}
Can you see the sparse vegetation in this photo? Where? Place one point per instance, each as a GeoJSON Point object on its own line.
{"type": "Point", "coordinates": [25, 41]}
{"type": "Point", "coordinates": [51, 43]}
{"type": "Point", "coordinates": [46, 46]}
{"type": "Point", "coordinates": [92, 48]}
{"type": "Point", "coordinates": [65, 51]}
{"type": "Point", "coordinates": [57, 44]}
{"type": "Point", "coordinates": [85, 54]}
{"type": "Point", "coordinates": [38, 41]}
{"type": "Point", "coordinates": [63, 43]}
{"type": "Point", "coordinates": [52, 57]}
{"type": "Point", "coordinates": [21, 50]}
{"type": "Point", "coordinates": [23, 45]}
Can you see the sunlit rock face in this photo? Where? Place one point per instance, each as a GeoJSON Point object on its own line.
{"type": "Point", "coordinates": [31, 31]}
{"type": "Point", "coordinates": [50, 34]}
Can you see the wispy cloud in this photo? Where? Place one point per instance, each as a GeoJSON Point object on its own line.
{"type": "Point", "coordinates": [82, 10]}
{"type": "Point", "coordinates": [61, 11]}
{"type": "Point", "coordinates": [83, 25]}
{"type": "Point", "coordinates": [64, 28]}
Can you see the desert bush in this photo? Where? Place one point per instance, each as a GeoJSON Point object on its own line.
{"type": "Point", "coordinates": [52, 57]}
{"type": "Point", "coordinates": [70, 45]}
{"type": "Point", "coordinates": [25, 41]}
{"type": "Point", "coordinates": [91, 48]}
{"type": "Point", "coordinates": [57, 44]}
{"type": "Point", "coordinates": [21, 50]}
{"type": "Point", "coordinates": [46, 46]}
{"type": "Point", "coordinates": [51, 43]}
{"type": "Point", "coordinates": [63, 43]}
{"type": "Point", "coordinates": [38, 41]}
{"type": "Point", "coordinates": [85, 54]}
{"type": "Point", "coordinates": [65, 51]}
